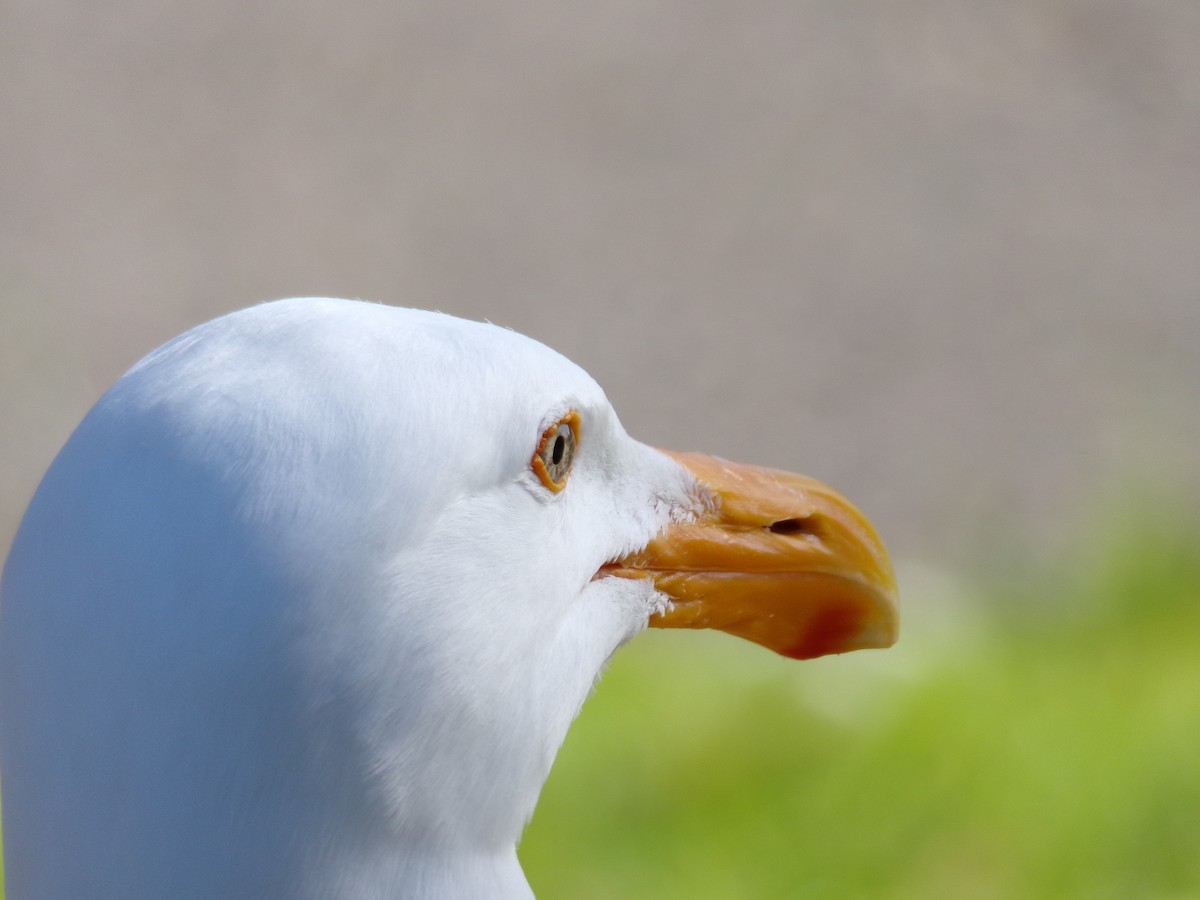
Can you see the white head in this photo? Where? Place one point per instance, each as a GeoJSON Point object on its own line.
{"type": "Point", "coordinates": [294, 614]}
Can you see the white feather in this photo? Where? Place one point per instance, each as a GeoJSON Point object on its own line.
{"type": "Point", "coordinates": [289, 616]}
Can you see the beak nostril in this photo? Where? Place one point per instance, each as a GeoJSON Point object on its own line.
{"type": "Point", "coordinates": [806, 525]}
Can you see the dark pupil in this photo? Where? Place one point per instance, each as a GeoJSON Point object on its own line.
{"type": "Point", "coordinates": [559, 446]}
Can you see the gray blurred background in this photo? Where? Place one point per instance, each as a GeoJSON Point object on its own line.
{"type": "Point", "coordinates": [945, 255]}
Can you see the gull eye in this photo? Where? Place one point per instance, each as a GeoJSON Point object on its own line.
{"type": "Point", "coordinates": [556, 451]}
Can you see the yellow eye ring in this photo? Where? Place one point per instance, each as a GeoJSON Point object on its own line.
{"type": "Point", "coordinates": [556, 451]}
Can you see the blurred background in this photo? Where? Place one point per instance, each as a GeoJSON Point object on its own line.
{"type": "Point", "coordinates": [944, 255]}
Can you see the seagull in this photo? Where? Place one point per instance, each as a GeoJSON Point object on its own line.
{"type": "Point", "coordinates": [305, 606]}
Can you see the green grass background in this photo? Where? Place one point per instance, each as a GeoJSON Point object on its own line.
{"type": "Point", "coordinates": [1041, 742]}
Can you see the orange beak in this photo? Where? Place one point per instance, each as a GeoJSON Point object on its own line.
{"type": "Point", "coordinates": [780, 559]}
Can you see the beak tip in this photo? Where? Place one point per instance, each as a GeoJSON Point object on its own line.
{"type": "Point", "coordinates": [842, 630]}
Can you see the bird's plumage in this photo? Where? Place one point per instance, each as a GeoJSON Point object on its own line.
{"type": "Point", "coordinates": [291, 616]}
{"type": "Point", "coordinates": [290, 598]}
